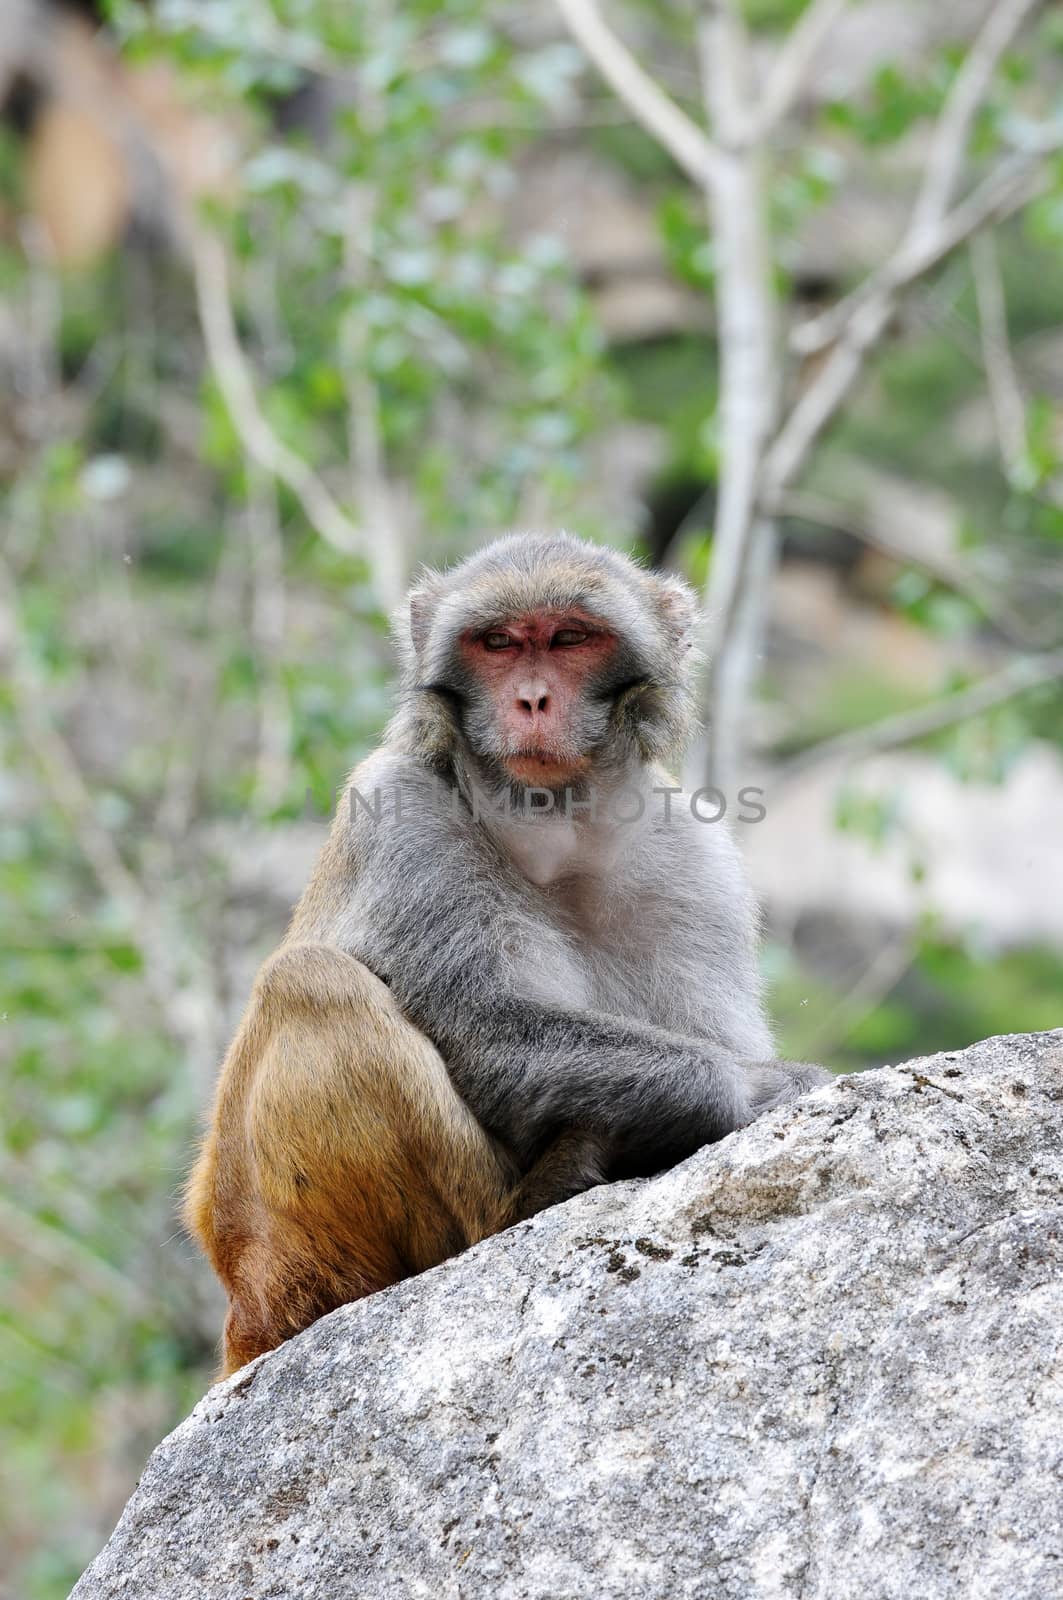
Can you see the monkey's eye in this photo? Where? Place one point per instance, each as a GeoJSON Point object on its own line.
{"type": "Point", "coordinates": [568, 636]}
{"type": "Point", "coordinates": [496, 641]}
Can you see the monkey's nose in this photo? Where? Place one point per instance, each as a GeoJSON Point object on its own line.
{"type": "Point", "coordinates": [533, 705]}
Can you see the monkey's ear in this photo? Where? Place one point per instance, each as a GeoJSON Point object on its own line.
{"type": "Point", "coordinates": [420, 619]}
{"type": "Point", "coordinates": [677, 608]}
{"type": "Point", "coordinates": [424, 599]}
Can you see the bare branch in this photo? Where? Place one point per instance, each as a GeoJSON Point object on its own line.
{"type": "Point", "coordinates": [1027, 672]}
{"type": "Point", "coordinates": [866, 315]}
{"type": "Point", "coordinates": [818, 403]}
{"type": "Point", "coordinates": [749, 379]}
{"type": "Point", "coordinates": [687, 144]}
{"type": "Point", "coordinates": [1017, 181]}
{"type": "Point", "coordinates": [1013, 185]}
{"type": "Point", "coordinates": [953, 130]}
{"type": "Point", "coordinates": [788, 73]}
{"type": "Point", "coordinates": [932, 231]}
{"type": "Point", "coordinates": [238, 390]}
{"type": "Point", "coordinates": [739, 576]}
{"type": "Point", "coordinates": [745, 536]}
{"type": "Point", "coordinates": [1005, 391]}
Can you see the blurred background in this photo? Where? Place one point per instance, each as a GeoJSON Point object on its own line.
{"type": "Point", "coordinates": [298, 294]}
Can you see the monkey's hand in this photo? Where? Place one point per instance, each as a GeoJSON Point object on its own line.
{"type": "Point", "coordinates": [572, 1163]}
{"type": "Point", "coordinates": [776, 1083]}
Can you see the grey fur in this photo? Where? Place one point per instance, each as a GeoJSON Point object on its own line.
{"type": "Point", "coordinates": [574, 972]}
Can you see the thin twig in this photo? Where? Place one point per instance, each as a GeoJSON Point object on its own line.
{"type": "Point", "coordinates": [1015, 182]}
{"type": "Point", "coordinates": [952, 132]}
{"type": "Point", "coordinates": [1005, 390]}
{"type": "Point", "coordinates": [238, 390]}
{"type": "Point", "coordinates": [1027, 672]}
{"type": "Point", "coordinates": [789, 71]}
{"type": "Point", "coordinates": [268, 622]}
{"type": "Point", "coordinates": [871, 312]}
{"type": "Point", "coordinates": [688, 145]}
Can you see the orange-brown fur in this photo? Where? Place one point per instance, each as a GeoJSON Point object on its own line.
{"type": "Point", "coordinates": [339, 1159]}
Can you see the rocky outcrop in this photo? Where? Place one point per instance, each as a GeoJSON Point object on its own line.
{"type": "Point", "coordinates": [822, 1358]}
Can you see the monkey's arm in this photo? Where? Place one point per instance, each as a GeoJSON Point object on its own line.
{"type": "Point", "coordinates": [429, 906]}
{"type": "Point", "coordinates": [529, 1069]}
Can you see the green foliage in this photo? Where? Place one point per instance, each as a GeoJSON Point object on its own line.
{"type": "Point", "coordinates": [895, 102]}
{"type": "Point", "coordinates": [681, 218]}
{"type": "Point", "coordinates": [776, 15]}
{"type": "Point", "coordinates": [673, 381]}
{"type": "Point", "coordinates": [95, 1128]}
{"type": "Point", "coordinates": [386, 253]}
{"type": "Point", "coordinates": [949, 995]}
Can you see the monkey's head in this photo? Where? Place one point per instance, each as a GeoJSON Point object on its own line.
{"type": "Point", "coordinates": [548, 660]}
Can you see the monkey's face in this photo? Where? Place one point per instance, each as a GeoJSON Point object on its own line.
{"type": "Point", "coordinates": [548, 660]}
{"type": "Point", "coordinates": [534, 687]}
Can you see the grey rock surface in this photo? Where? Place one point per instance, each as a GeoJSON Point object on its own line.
{"type": "Point", "coordinates": [823, 1358]}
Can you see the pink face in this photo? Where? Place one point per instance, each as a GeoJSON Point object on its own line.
{"type": "Point", "coordinates": [535, 668]}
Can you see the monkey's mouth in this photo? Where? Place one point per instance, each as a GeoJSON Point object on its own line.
{"type": "Point", "coordinates": [539, 770]}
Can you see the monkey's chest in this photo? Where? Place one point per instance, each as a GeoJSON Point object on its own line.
{"type": "Point", "coordinates": [558, 856]}
{"type": "Point", "coordinates": [619, 944]}
{"type": "Point", "coordinates": [542, 855]}
{"type": "Point", "coordinates": [624, 968]}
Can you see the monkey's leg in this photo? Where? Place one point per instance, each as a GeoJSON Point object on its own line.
{"type": "Point", "coordinates": [341, 1158]}
{"type": "Point", "coordinates": [572, 1163]}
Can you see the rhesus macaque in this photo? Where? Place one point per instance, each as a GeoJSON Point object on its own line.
{"type": "Point", "coordinates": [505, 982]}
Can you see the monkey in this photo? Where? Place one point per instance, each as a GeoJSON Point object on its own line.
{"type": "Point", "coordinates": [518, 969]}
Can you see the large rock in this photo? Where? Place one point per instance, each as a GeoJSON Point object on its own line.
{"type": "Point", "coordinates": [822, 1358]}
